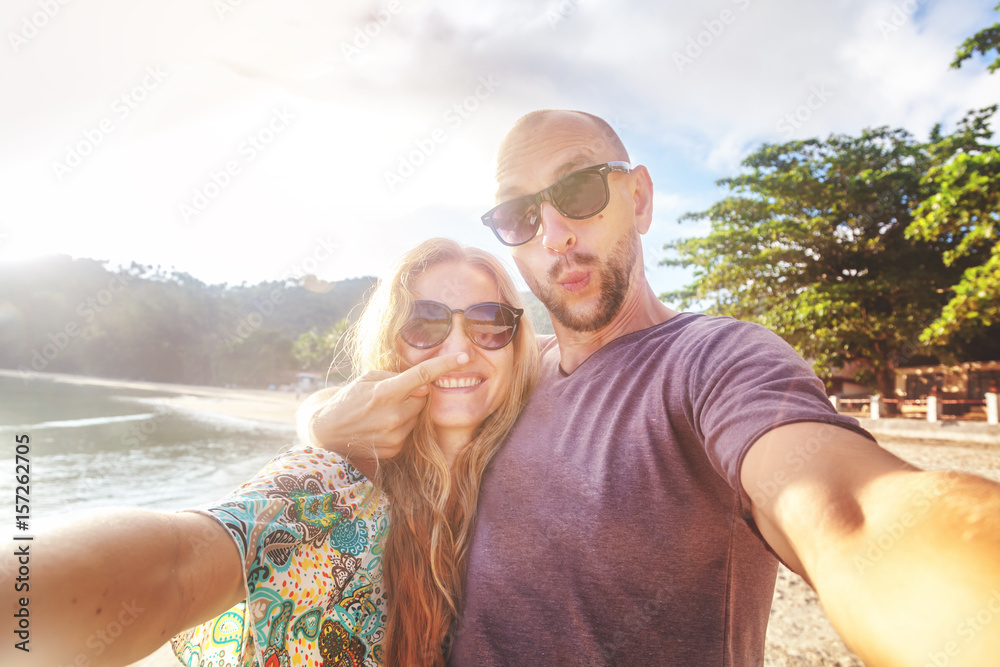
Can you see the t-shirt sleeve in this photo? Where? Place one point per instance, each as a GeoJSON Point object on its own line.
{"type": "Point", "coordinates": [748, 381]}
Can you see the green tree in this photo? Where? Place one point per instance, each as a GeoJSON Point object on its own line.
{"type": "Point", "coordinates": [811, 244]}
{"type": "Point", "coordinates": [59, 314]}
{"type": "Point", "coordinates": [261, 359]}
{"type": "Point", "coordinates": [316, 350]}
{"type": "Point", "coordinates": [984, 41]}
{"type": "Point", "coordinates": [964, 207]}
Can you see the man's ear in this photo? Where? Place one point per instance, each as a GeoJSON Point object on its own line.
{"type": "Point", "coordinates": [642, 193]}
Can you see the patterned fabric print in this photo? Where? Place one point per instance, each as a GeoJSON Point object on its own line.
{"type": "Point", "coordinates": [309, 529]}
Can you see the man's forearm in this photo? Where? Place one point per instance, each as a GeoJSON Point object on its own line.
{"type": "Point", "coordinates": [918, 581]}
{"type": "Point", "coordinates": [111, 587]}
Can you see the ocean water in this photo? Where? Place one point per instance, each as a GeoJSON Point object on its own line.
{"type": "Point", "coordinates": [99, 446]}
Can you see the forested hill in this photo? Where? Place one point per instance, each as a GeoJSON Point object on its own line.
{"type": "Point", "coordinates": [59, 314]}
{"type": "Point", "coordinates": [65, 315]}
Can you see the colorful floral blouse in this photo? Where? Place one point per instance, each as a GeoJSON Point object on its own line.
{"type": "Point", "coordinates": [308, 528]}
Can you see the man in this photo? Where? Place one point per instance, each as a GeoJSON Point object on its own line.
{"type": "Point", "coordinates": [665, 459]}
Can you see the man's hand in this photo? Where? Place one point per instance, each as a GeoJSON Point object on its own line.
{"type": "Point", "coordinates": [371, 417]}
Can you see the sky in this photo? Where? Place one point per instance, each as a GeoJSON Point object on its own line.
{"type": "Point", "coordinates": [250, 140]}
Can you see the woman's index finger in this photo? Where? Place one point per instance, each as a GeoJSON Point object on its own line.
{"type": "Point", "coordinates": [426, 372]}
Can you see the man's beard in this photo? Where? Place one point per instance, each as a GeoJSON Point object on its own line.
{"type": "Point", "coordinates": [616, 276]}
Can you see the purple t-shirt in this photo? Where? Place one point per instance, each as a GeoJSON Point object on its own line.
{"type": "Point", "coordinates": [612, 527]}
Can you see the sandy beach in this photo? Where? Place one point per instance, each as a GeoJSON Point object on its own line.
{"type": "Point", "coordinates": [254, 404]}
{"type": "Point", "coordinates": [798, 633]}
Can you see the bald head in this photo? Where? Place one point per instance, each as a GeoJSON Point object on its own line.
{"type": "Point", "coordinates": [544, 146]}
{"type": "Point", "coordinates": [600, 135]}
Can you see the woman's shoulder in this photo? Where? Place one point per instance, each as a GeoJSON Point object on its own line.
{"type": "Point", "coordinates": [309, 471]}
{"type": "Point", "coordinates": [308, 529]}
{"type": "Point", "coordinates": [304, 495]}
{"type": "Point", "coordinates": [306, 456]}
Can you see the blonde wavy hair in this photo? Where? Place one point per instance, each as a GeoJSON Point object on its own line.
{"type": "Point", "coordinates": [433, 508]}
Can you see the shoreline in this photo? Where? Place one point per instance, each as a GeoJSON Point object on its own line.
{"type": "Point", "coordinates": [260, 405]}
{"type": "Point", "coordinates": [279, 407]}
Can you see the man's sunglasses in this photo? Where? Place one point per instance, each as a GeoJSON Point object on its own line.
{"type": "Point", "coordinates": [578, 195]}
{"type": "Point", "coordinates": [488, 325]}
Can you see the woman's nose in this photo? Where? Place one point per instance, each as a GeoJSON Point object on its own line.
{"type": "Point", "coordinates": [458, 339]}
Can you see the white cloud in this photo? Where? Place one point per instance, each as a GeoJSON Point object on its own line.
{"type": "Point", "coordinates": [359, 118]}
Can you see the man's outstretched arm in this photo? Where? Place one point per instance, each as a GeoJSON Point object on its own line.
{"type": "Point", "coordinates": [110, 587]}
{"type": "Point", "coordinates": [906, 562]}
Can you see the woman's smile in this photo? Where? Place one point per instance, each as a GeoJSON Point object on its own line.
{"type": "Point", "coordinates": [462, 382]}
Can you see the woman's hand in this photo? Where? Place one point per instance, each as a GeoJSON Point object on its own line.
{"type": "Point", "coordinates": [371, 417]}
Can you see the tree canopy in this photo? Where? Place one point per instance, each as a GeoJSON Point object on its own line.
{"type": "Point", "coordinates": [317, 350]}
{"type": "Point", "coordinates": [812, 243]}
{"type": "Point", "coordinates": [982, 42]}
{"type": "Point", "coordinates": [962, 210]}
{"type": "Point", "coordinates": [964, 204]}
{"type": "Point", "coordinates": [873, 250]}
{"type": "Point", "coordinates": [59, 314]}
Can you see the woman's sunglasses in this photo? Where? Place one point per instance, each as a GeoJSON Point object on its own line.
{"type": "Point", "coordinates": [578, 195]}
{"type": "Point", "coordinates": [488, 325]}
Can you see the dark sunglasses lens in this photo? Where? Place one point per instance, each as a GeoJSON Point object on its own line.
{"type": "Point", "coordinates": [580, 195]}
{"type": "Point", "coordinates": [516, 221]}
{"type": "Point", "coordinates": [427, 326]}
{"type": "Point", "coordinates": [490, 325]}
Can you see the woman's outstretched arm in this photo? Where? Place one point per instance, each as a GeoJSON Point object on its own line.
{"type": "Point", "coordinates": [111, 587]}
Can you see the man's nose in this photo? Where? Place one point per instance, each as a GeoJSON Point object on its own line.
{"type": "Point", "coordinates": [557, 235]}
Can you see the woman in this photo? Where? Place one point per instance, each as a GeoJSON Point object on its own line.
{"type": "Point", "coordinates": [323, 576]}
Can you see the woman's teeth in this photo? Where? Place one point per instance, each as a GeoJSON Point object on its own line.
{"type": "Point", "coordinates": [458, 383]}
